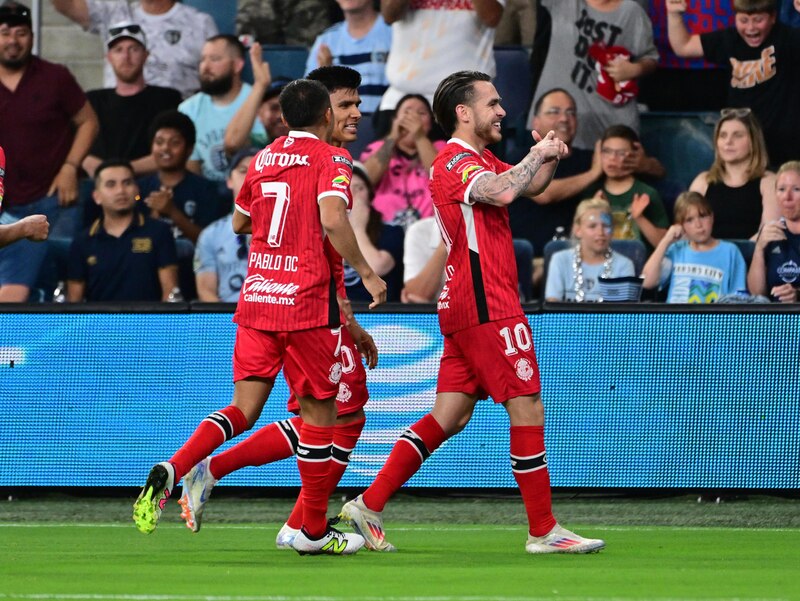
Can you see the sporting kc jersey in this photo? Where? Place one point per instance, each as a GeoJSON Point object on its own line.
{"type": "Point", "coordinates": [289, 284]}
{"type": "Point", "coordinates": [481, 272]}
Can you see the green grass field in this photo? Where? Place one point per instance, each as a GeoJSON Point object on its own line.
{"type": "Point", "coordinates": [459, 549]}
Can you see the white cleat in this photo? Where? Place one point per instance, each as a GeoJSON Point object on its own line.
{"type": "Point", "coordinates": [197, 485]}
{"type": "Point", "coordinates": [332, 542]}
{"type": "Point", "coordinates": [367, 523]}
{"type": "Point", "coordinates": [285, 537]}
{"type": "Point", "coordinates": [561, 540]}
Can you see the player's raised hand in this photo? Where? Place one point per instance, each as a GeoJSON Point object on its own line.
{"type": "Point", "coordinates": [377, 289]}
{"type": "Point", "coordinates": [549, 147]}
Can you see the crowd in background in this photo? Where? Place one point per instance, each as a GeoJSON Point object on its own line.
{"type": "Point", "coordinates": [137, 179]}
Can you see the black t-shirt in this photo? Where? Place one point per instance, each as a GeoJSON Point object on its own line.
{"type": "Point", "coordinates": [537, 223]}
{"type": "Point", "coordinates": [125, 120]}
{"type": "Point", "coordinates": [124, 268]}
{"type": "Point", "coordinates": [766, 80]}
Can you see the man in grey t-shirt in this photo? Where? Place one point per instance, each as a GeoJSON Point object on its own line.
{"type": "Point", "coordinates": [580, 27]}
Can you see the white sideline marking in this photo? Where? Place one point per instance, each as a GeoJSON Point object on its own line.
{"type": "Point", "coordinates": [454, 528]}
{"type": "Point", "coordinates": [122, 597]}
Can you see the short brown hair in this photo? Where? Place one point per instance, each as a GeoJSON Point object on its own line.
{"type": "Point", "coordinates": [750, 7]}
{"type": "Point", "coordinates": [687, 200]}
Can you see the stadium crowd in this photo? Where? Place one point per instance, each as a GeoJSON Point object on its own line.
{"type": "Point", "coordinates": [158, 149]}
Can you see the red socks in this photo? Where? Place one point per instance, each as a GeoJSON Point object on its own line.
{"type": "Point", "coordinates": [313, 462]}
{"type": "Point", "coordinates": [529, 465]}
{"type": "Point", "coordinates": [345, 438]}
{"type": "Point", "coordinates": [271, 443]}
{"type": "Point", "coordinates": [215, 429]}
{"type": "Point", "coordinates": [414, 446]}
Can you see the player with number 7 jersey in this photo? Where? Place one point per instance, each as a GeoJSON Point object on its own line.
{"type": "Point", "coordinates": [289, 284]}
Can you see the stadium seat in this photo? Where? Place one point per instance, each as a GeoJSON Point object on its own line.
{"type": "Point", "coordinates": [633, 249]}
{"type": "Point", "coordinates": [747, 248]}
{"type": "Point", "coordinates": [513, 80]}
{"type": "Point", "coordinates": [683, 142]}
{"type": "Point", "coordinates": [224, 13]}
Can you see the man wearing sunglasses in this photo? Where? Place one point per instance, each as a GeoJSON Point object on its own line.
{"type": "Point", "coordinates": [126, 110]}
{"type": "Point", "coordinates": [46, 129]}
{"type": "Point", "coordinates": [175, 34]}
{"type": "Point", "coordinates": [761, 55]}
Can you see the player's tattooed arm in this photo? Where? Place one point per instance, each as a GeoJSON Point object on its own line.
{"type": "Point", "coordinates": [501, 190]}
{"type": "Point", "coordinates": [524, 178]}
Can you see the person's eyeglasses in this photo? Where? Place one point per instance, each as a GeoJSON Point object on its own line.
{"type": "Point", "coordinates": [612, 152]}
{"type": "Point", "coordinates": [739, 113]}
{"type": "Point", "coordinates": [557, 112]}
{"type": "Point", "coordinates": [133, 29]}
{"type": "Point", "coordinates": [242, 251]}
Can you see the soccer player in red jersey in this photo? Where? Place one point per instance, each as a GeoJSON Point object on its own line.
{"type": "Point", "coordinates": [278, 440]}
{"type": "Point", "coordinates": [32, 227]}
{"type": "Point", "coordinates": [294, 197]}
{"type": "Point", "coordinates": [488, 347]}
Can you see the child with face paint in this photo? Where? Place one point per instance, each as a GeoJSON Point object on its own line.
{"type": "Point", "coordinates": [697, 267]}
{"type": "Point", "coordinates": [573, 273]}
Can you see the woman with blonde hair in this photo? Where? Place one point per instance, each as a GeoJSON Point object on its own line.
{"type": "Point", "coordinates": [738, 186]}
{"type": "Point", "coordinates": [775, 267]}
{"type": "Point", "coordinates": [573, 273]}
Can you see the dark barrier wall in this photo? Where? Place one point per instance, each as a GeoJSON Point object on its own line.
{"type": "Point", "coordinates": [641, 398]}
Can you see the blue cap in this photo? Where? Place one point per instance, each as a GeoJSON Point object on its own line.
{"type": "Point", "coordinates": [247, 151]}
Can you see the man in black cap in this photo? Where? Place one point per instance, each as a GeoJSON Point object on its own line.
{"type": "Point", "coordinates": [46, 131]}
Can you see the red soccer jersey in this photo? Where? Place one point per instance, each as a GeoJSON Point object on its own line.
{"type": "Point", "coordinates": [289, 284]}
{"type": "Point", "coordinates": [481, 272]}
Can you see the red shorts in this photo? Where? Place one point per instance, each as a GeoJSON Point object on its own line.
{"type": "Point", "coordinates": [493, 359]}
{"type": "Point", "coordinates": [353, 393]}
{"type": "Point", "coordinates": [310, 358]}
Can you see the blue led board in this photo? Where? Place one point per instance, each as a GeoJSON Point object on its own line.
{"type": "Point", "coordinates": [633, 400]}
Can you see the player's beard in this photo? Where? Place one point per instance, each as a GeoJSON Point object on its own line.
{"type": "Point", "coordinates": [217, 87]}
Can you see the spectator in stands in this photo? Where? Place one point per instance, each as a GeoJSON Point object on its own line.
{"type": "Point", "coordinates": [220, 258]}
{"type": "Point", "coordinates": [775, 267]}
{"type": "Point", "coordinates": [431, 39]}
{"type": "Point", "coordinates": [362, 42]}
{"type": "Point", "coordinates": [399, 164]}
{"type": "Point", "coordinates": [124, 255]}
{"type": "Point", "coordinates": [517, 27]}
{"type": "Point", "coordinates": [185, 201]}
{"type": "Point", "coordinates": [222, 93]}
{"type": "Point", "coordinates": [126, 110]}
{"type": "Point", "coordinates": [790, 12]}
{"type": "Point", "coordinates": [424, 258]}
{"type": "Point", "coordinates": [665, 90]}
{"type": "Point", "coordinates": [596, 50]}
{"type": "Point", "coordinates": [549, 215]}
{"type": "Point", "coordinates": [262, 104]}
{"type": "Point", "coordinates": [697, 267]}
{"type": "Point", "coordinates": [175, 36]}
{"type": "Point", "coordinates": [46, 127]}
{"type": "Point", "coordinates": [573, 273]}
{"type": "Point", "coordinates": [380, 243]}
{"type": "Point", "coordinates": [288, 22]}
{"type": "Point", "coordinates": [738, 186]}
{"type": "Point", "coordinates": [761, 55]}
{"type": "Point", "coordinates": [636, 208]}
